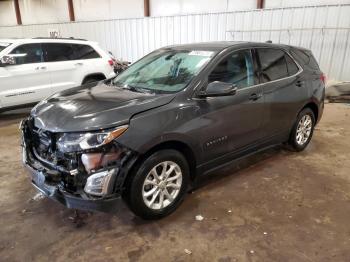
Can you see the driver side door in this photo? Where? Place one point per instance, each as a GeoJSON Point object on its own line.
{"type": "Point", "coordinates": [231, 122]}
{"type": "Point", "coordinates": [27, 81]}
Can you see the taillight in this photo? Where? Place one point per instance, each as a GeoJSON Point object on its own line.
{"type": "Point", "coordinates": [111, 62]}
{"type": "Point", "coordinates": [323, 78]}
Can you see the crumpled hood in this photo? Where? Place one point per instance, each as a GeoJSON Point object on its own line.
{"type": "Point", "coordinates": [93, 107]}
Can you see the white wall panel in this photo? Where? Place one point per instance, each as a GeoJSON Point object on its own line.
{"type": "Point", "coordinates": [56, 11]}
{"type": "Point", "coordinates": [175, 7]}
{"type": "Point", "coordinates": [294, 3]}
{"type": "Point", "coordinates": [7, 13]}
{"type": "Point", "coordinates": [43, 11]}
{"type": "Point", "coordinates": [323, 29]}
{"type": "Point", "coordinates": [106, 9]}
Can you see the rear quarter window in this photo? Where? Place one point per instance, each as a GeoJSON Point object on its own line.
{"type": "Point", "coordinates": [291, 65]}
{"type": "Point", "coordinates": [84, 52]}
{"type": "Point", "coordinates": [306, 58]}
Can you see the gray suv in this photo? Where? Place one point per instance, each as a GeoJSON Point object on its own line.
{"type": "Point", "coordinates": [174, 115]}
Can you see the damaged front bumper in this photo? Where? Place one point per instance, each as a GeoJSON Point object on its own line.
{"type": "Point", "coordinates": [57, 193]}
{"type": "Point", "coordinates": [99, 190]}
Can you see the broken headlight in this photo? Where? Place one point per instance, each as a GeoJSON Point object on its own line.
{"type": "Point", "coordinates": [72, 142]}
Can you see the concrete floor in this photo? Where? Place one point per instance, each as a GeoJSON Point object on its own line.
{"type": "Point", "coordinates": [275, 206]}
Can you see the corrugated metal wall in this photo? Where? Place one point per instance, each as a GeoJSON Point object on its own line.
{"type": "Point", "coordinates": [323, 29]}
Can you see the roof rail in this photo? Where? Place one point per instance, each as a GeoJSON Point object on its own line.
{"type": "Point", "coordinates": [61, 38]}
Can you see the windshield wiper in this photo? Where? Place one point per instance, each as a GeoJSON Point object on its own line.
{"type": "Point", "coordinates": [137, 89]}
{"type": "Point", "coordinates": [132, 88]}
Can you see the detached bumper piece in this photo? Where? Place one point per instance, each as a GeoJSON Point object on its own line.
{"type": "Point", "coordinates": [72, 185]}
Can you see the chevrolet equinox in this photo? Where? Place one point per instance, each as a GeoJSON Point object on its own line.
{"type": "Point", "coordinates": [177, 113]}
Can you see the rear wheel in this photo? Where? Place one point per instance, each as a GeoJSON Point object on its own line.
{"type": "Point", "coordinates": [302, 130]}
{"type": "Point", "coordinates": [158, 185]}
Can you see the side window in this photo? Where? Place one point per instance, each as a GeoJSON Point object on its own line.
{"type": "Point", "coordinates": [28, 54]}
{"type": "Point", "coordinates": [84, 52]}
{"type": "Point", "coordinates": [237, 68]}
{"type": "Point", "coordinates": [273, 64]}
{"type": "Point", "coordinates": [58, 52]}
{"type": "Point", "coordinates": [291, 65]}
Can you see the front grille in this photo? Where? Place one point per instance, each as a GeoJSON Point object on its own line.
{"type": "Point", "coordinates": [44, 144]}
{"type": "Point", "coordinates": [43, 147]}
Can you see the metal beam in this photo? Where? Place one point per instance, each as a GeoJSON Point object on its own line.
{"type": "Point", "coordinates": [146, 7]}
{"type": "Point", "coordinates": [18, 12]}
{"type": "Point", "coordinates": [71, 10]}
{"type": "Point", "coordinates": [260, 4]}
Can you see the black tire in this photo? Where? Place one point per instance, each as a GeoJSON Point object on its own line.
{"type": "Point", "coordinates": [135, 185]}
{"type": "Point", "coordinates": [293, 143]}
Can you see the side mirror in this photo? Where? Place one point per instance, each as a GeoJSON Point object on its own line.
{"type": "Point", "coordinates": [7, 60]}
{"type": "Point", "coordinates": [110, 52]}
{"type": "Point", "coordinates": [218, 88]}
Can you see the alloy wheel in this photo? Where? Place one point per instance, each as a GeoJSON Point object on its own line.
{"type": "Point", "coordinates": [304, 130]}
{"type": "Point", "coordinates": [162, 185]}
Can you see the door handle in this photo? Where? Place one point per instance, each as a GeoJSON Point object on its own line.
{"type": "Point", "coordinates": [42, 68]}
{"type": "Point", "coordinates": [78, 64]}
{"type": "Point", "coordinates": [300, 83]}
{"type": "Point", "coordinates": [255, 96]}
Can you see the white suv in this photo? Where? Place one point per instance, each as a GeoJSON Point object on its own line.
{"type": "Point", "coordinates": [33, 69]}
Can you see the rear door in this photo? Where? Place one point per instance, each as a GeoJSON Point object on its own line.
{"type": "Point", "coordinates": [64, 71]}
{"type": "Point", "coordinates": [89, 60]}
{"type": "Point", "coordinates": [27, 81]}
{"type": "Point", "coordinates": [284, 90]}
{"type": "Point", "coordinates": [312, 72]}
{"type": "Point", "coordinates": [232, 122]}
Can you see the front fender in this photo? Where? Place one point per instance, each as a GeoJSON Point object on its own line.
{"type": "Point", "coordinates": [160, 125]}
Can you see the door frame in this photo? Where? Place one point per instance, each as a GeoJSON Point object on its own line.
{"type": "Point", "coordinates": [199, 87]}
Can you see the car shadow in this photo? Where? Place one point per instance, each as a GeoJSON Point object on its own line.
{"type": "Point", "coordinates": [234, 167]}
{"type": "Point", "coordinates": [214, 179]}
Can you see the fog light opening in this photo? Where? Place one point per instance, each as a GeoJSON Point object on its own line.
{"type": "Point", "coordinates": [100, 184]}
{"type": "Point", "coordinates": [95, 161]}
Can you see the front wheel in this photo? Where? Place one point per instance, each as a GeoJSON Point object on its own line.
{"type": "Point", "coordinates": [302, 130]}
{"type": "Point", "coordinates": [158, 185]}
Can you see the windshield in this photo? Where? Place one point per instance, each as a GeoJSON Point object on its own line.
{"type": "Point", "coordinates": [3, 46]}
{"type": "Point", "coordinates": [163, 71]}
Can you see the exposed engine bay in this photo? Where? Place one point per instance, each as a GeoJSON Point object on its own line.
{"type": "Point", "coordinates": [90, 174]}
